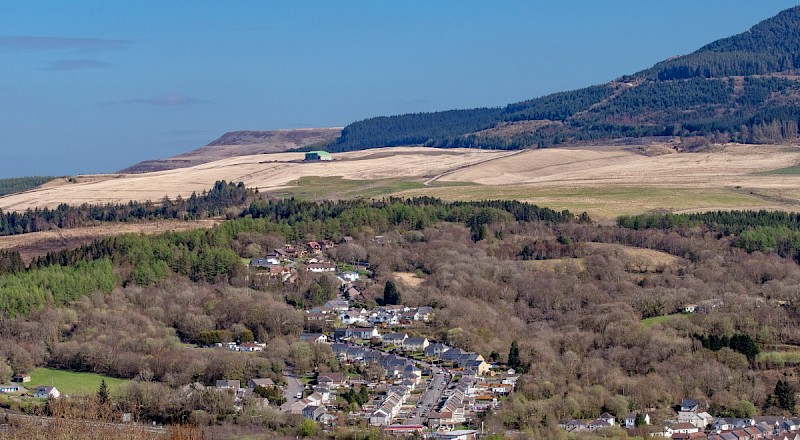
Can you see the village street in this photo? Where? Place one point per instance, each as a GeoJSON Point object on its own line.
{"type": "Point", "coordinates": [290, 392]}
{"type": "Point", "coordinates": [430, 397]}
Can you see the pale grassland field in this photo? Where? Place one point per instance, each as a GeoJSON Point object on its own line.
{"type": "Point", "coordinates": [605, 202]}
{"type": "Point", "coordinates": [603, 181]}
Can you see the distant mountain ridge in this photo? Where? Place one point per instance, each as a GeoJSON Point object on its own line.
{"type": "Point", "coordinates": [241, 143]}
{"type": "Point", "coordinates": [743, 88]}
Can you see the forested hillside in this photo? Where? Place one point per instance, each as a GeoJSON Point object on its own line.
{"type": "Point", "coordinates": [19, 184]}
{"type": "Point", "coordinates": [601, 319]}
{"type": "Point", "coordinates": [740, 88]}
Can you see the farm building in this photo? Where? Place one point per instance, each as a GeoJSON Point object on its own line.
{"type": "Point", "coordinates": [318, 155]}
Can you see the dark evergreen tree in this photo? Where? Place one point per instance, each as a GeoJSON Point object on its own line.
{"type": "Point", "coordinates": [784, 395]}
{"type": "Point", "coordinates": [102, 392]}
{"type": "Point", "coordinates": [391, 296]}
{"type": "Point", "coordinates": [514, 360]}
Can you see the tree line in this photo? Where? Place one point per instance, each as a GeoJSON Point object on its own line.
{"type": "Point", "coordinates": [18, 184]}
{"type": "Point", "coordinates": [764, 231]}
{"type": "Point", "coordinates": [209, 255]}
{"type": "Point", "coordinates": [221, 196]}
{"type": "Point", "coordinates": [770, 46]}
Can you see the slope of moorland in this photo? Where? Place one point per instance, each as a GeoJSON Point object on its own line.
{"type": "Point", "coordinates": [265, 172]}
{"type": "Point", "coordinates": [241, 143]}
{"type": "Point", "coordinates": [605, 181]}
{"type": "Point", "coordinates": [743, 88]}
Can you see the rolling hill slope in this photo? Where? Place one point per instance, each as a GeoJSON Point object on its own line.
{"type": "Point", "coordinates": [240, 143]}
{"type": "Point", "coordinates": [743, 88]}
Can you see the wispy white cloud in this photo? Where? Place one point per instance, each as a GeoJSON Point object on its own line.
{"type": "Point", "coordinates": [170, 99]}
{"type": "Point", "coordinates": [61, 65]}
{"type": "Point", "coordinates": [25, 42]}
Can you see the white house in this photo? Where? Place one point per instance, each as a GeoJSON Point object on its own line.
{"type": "Point", "coordinates": [415, 344]}
{"type": "Point", "coordinates": [321, 267]}
{"type": "Point", "coordinates": [436, 349]}
{"type": "Point", "coordinates": [316, 338]}
{"type": "Point", "coordinates": [44, 392]}
{"type": "Point", "coordinates": [251, 347]}
{"type": "Point", "coordinates": [461, 434]}
{"type": "Point", "coordinates": [394, 339]}
{"type": "Point", "coordinates": [679, 428]}
{"type": "Point", "coordinates": [630, 420]}
{"type": "Point", "coordinates": [380, 417]}
{"type": "Point", "coordinates": [387, 318]}
{"type": "Point", "coordinates": [608, 418]}
{"type": "Point", "coordinates": [10, 388]}
{"type": "Point", "coordinates": [363, 332]}
{"type": "Point", "coordinates": [353, 317]}
{"type": "Point", "coordinates": [349, 277]}
{"type": "Point", "coordinates": [701, 419]}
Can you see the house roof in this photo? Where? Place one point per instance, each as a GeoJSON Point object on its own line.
{"type": "Point", "coordinates": [682, 425]}
{"type": "Point", "coordinates": [330, 377]}
{"type": "Point", "coordinates": [415, 341]}
{"type": "Point", "coordinates": [263, 382]}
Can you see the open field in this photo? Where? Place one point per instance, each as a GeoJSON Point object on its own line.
{"type": "Point", "coordinates": [649, 322]}
{"type": "Point", "coordinates": [408, 279]}
{"type": "Point", "coordinates": [788, 171]}
{"type": "Point", "coordinates": [603, 181]}
{"type": "Point", "coordinates": [319, 188]}
{"type": "Point", "coordinates": [644, 259]}
{"type": "Point", "coordinates": [607, 201]}
{"type": "Point", "coordinates": [267, 172]}
{"type": "Point", "coordinates": [72, 383]}
{"type": "Point", "coordinates": [39, 243]}
{"type": "Point", "coordinates": [641, 259]}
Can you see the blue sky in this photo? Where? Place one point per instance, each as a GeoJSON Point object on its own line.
{"type": "Point", "coordinates": [95, 86]}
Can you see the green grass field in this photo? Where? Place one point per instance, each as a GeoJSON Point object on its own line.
{"type": "Point", "coordinates": [778, 358]}
{"type": "Point", "coordinates": [788, 171]}
{"type": "Point", "coordinates": [70, 382]}
{"type": "Point", "coordinates": [322, 188]}
{"type": "Point", "coordinates": [649, 322]}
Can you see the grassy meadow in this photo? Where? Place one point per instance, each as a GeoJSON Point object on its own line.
{"type": "Point", "coordinates": [602, 202]}
{"type": "Point", "coordinates": [70, 382]}
{"type": "Point", "coordinates": [323, 188]}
